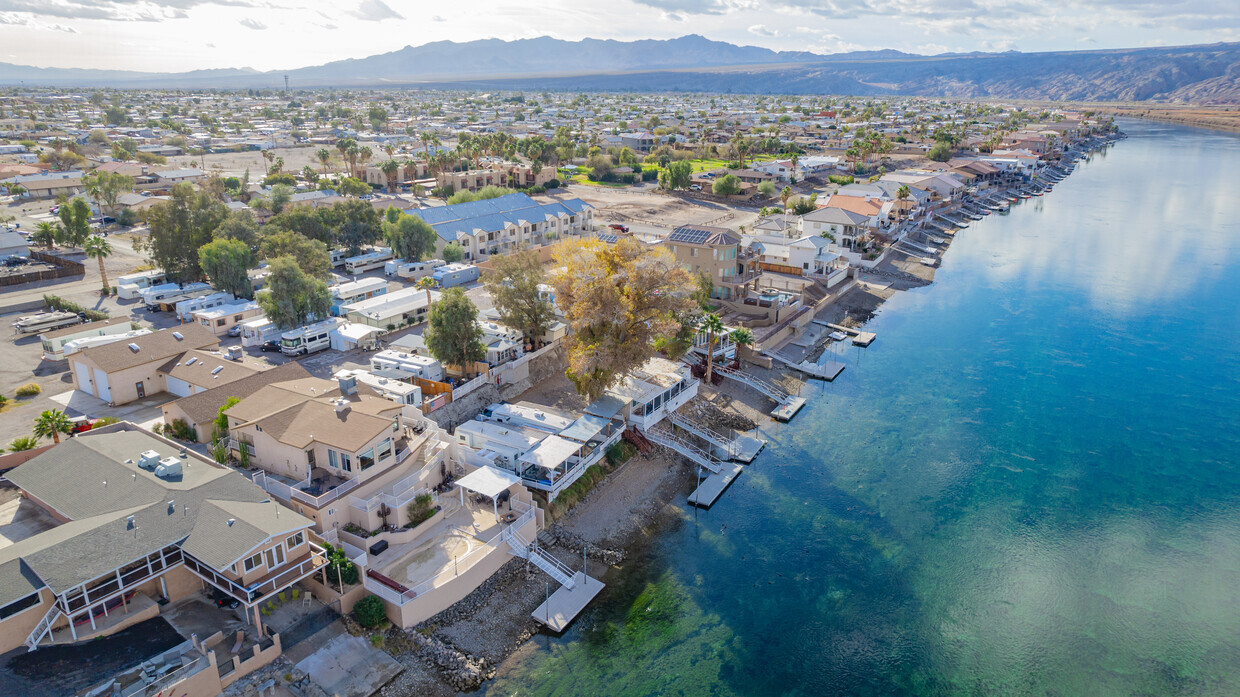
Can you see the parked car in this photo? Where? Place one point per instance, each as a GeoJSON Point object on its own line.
{"type": "Point", "coordinates": [695, 187]}
{"type": "Point", "coordinates": [618, 227]}
{"type": "Point", "coordinates": [270, 345]}
{"type": "Point", "coordinates": [234, 330]}
{"type": "Point", "coordinates": [222, 599]}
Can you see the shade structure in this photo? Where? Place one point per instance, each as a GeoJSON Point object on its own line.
{"type": "Point", "coordinates": [488, 481]}
{"type": "Point", "coordinates": [551, 453]}
{"type": "Point", "coordinates": [584, 429]}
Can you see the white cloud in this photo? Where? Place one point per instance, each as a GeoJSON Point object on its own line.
{"type": "Point", "coordinates": [763, 30]}
{"type": "Point", "coordinates": [375, 11]}
{"type": "Point", "coordinates": [250, 23]}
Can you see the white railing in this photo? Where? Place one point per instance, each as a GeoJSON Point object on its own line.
{"type": "Point", "coordinates": [698, 455]}
{"type": "Point", "coordinates": [712, 437]}
{"type": "Point", "coordinates": [43, 627]}
{"type": "Point", "coordinates": [464, 389]}
{"type": "Point", "coordinates": [281, 490]}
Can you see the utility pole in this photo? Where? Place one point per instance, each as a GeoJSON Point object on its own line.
{"type": "Point", "coordinates": [286, 83]}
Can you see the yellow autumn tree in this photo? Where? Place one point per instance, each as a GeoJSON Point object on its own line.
{"type": "Point", "coordinates": [619, 300]}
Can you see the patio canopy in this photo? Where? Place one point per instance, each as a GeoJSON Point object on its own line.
{"type": "Point", "coordinates": [488, 481]}
{"type": "Point", "coordinates": [551, 453]}
{"type": "Point", "coordinates": [585, 428]}
{"type": "Point", "coordinates": [606, 406]}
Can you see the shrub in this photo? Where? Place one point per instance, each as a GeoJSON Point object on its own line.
{"type": "Point", "coordinates": [23, 443]}
{"type": "Point", "coordinates": [29, 390]}
{"type": "Point", "coordinates": [127, 218]}
{"type": "Point", "coordinates": [376, 640]}
{"type": "Point", "coordinates": [552, 184]}
{"type": "Point", "coordinates": [726, 185]}
{"type": "Point", "coordinates": [841, 179]}
{"type": "Point", "coordinates": [182, 431]}
{"type": "Point", "coordinates": [421, 509]}
{"type": "Point", "coordinates": [767, 188]}
{"type": "Point", "coordinates": [3, 399]}
{"type": "Point", "coordinates": [54, 302]}
{"type": "Point", "coordinates": [369, 611]}
{"type": "Point", "coordinates": [620, 453]}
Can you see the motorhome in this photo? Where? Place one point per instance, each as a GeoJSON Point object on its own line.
{"type": "Point", "coordinates": [46, 321]}
{"type": "Point", "coordinates": [258, 331]}
{"type": "Point", "coordinates": [308, 339]}
{"type": "Point", "coordinates": [129, 286]}
{"type": "Point", "coordinates": [424, 367]}
{"type": "Point", "coordinates": [187, 308]}
{"type": "Point", "coordinates": [163, 300]}
{"type": "Point", "coordinates": [450, 275]}
{"type": "Point", "coordinates": [355, 291]}
{"type": "Point", "coordinates": [338, 256]}
{"type": "Point", "coordinates": [76, 345]}
{"type": "Point", "coordinates": [412, 270]}
{"type": "Point", "coordinates": [389, 388]}
{"type": "Point", "coordinates": [368, 261]}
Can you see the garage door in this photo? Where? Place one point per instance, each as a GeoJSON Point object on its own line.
{"type": "Point", "coordinates": [83, 378]}
{"type": "Point", "coordinates": [179, 387]}
{"type": "Point", "coordinates": [104, 391]}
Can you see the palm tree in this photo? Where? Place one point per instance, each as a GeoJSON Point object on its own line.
{"type": "Point", "coordinates": [270, 158]}
{"type": "Point", "coordinates": [742, 338]}
{"type": "Point", "coordinates": [365, 154]}
{"type": "Point", "coordinates": [713, 326]}
{"type": "Point", "coordinates": [52, 422]}
{"type": "Point", "coordinates": [795, 160]}
{"type": "Point", "coordinates": [23, 443]}
{"type": "Point", "coordinates": [426, 283]}
{"type": "Point", "coordinates": [46, 234]}
{"type": "Point", "coordinates": [388, 148]}
{"type": "Point", "coordinates": [343, 146]}
{"type": "Point", "coordinates": [784, 195]}
{"type": "Point", "coordinates": [324, 155]}
{"type": "Point", "coordinates": [902, 193]}
{"type": "Point", "coordinates": [390, 168]}
{"type": "Point", "coordinates": [97, 247]}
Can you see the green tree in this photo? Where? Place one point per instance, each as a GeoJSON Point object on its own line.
{"type": "Point", "coordinates": [453, 335]}
{"type": "Point", "coordinates": [713, 326]}
{"type": "Point", "coordinates": [46, 234]}
{"type": "Point", "coordinates": [354, 223]}
{"type": "Point", "coordinates": [312, 223]}
{"type": "Point", "coordinates": [805, 204]}
{"type": "Point", "coordinates": [98, 248]}
{"type": "Point", "coordinates": [240, 226]}
{"type": "Point", "coordinates": [324, 156]}
{"type": "Point", "coordinates": [52, 423]}
{"type": "Point", "coordinates": [281, 194]}
{"type": "Point", "coordinates": [941, 152]}
{"type": "Point", "coordinates": [225, 262]}
{"type": "Point", "coordinates": [453, 252]}
{"type": "Point", "coordinates": [293, 298]}
{"type": "Point", "coordinates": [369, 611]}
{"type": "Point", "coordinates": [677, 175]}
{"type": "Point", "coordinates": [107, 188]}
{"type": "Point", "coordinates": [726, 185]}
{"type": "Point", "coordinates": [389, 169]}
{"type": "Point", "coordinates": [75, 217]}
{"type": "Point", "coordinates": [410, 237]}
{"type": "Point", "coordinates": [767, 188]}
{"type": "Point", "coordinates": [179, 227]}
{"type": "Point", "coordinates": [310, 255]}
{"type": "Point", "coordinates": [513, 284]}
{"type": "Point", "coordinates": [23, 443]}
{"type": "Point", "coordinates": [350, 186]}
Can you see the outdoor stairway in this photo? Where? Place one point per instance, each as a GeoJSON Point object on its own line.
{"type": "Point", "coordinates": [531, 552]}
{"type": "Point", "coordinates": [718, 440]}
{"type": "Point", "coordinates": [696, 454]}
{"type": "Point", "coordinates": [632, 435]}
{"type": "Point", "coordinates": [787, 405]}
{"type": "Point", "coordinates": [43, 628]}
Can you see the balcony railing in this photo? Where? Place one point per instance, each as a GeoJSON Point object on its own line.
{"type": "Point", "coordinates": [111, 584]}
{"type": "Point", "coordinates": [288, 493]}
{"type": "Point", "coordinates": [289, 574]}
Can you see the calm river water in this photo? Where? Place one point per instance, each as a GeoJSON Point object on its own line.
{"type": "Point", "coordinates": [1029, 485]}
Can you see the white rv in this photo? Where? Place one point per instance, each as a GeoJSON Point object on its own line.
{"type": "Point", "coordinates": [412, 270]}
{"type": "Point", "coordinates": [46, 321]}
{"type": "Point", "coordinates": [258, 331]}
{"type": "Point", "coordinates": [338, 256]}
{"type": "Point", "coordinates": [187, 308]}
{"type": "Point", "coordinates": [368, 261]}
{"type": "Point", "coordinates": [129, 286]}
{"type": "Point", "coordinates": [390, 388]}
{"type": "Point", "coordinates": [308, 339]}
{"type": "Point", "coordinates": [424, 367]}
{"type": "Point", "coordinates": [76, 345]}
{"type": "Point", "coordinates": [159, 299]}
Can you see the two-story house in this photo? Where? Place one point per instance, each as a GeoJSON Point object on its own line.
{"type": "Point", "coordinates": [716, 253]}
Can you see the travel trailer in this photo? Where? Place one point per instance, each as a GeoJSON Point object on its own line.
{"type": "Point", "coordinates": [187, 308]}
{"type": "Point", "coordinates": [412, 270]}
{"type": "Point", "coordinates": [257, 332]}
{"type": "Point", "coordinates": [338, 256]}
{"type": "Point", "coordinates": [129, 286]}
{"type": "Point", "coordinates": [355, 291]}
{"type": "Point", "coordinates": [368, 261]}
{"type": "Point", "coordinates": [424, 367]}
{"type": "Point", "coordinates": [166, 299]}
{"type": "Point", "coordinates": [308, 339]}
{"type": "Point", "coordinates": [76, 345]}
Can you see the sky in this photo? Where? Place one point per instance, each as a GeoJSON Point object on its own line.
{"type": "Point", "coordinates": [178, 35]}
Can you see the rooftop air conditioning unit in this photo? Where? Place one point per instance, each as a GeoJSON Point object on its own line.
{"type": "Point", "coordinates": [169, 467]}
{"type": "Point", "coordinates": [148, 460]}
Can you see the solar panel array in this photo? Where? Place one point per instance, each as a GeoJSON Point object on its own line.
{"type": "Point", "coordinates": [691, 235]}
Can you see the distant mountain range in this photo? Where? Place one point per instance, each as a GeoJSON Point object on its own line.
{"type": "Point", "coordinates": [1199, 74]}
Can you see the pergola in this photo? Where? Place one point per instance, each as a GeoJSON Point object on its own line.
{"type": "Point", "coordinates": [488, 481]}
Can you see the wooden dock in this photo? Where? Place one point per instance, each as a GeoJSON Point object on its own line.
{"type": "Point", "coordinates": [859, 338]}
{"type": "Point", "coordinates": [566, 603]}
{"type": "Point", "coordinates": [713, 486]}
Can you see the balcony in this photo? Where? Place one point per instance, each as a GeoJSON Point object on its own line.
{"type": "Point", "coordinates": [288, 574]}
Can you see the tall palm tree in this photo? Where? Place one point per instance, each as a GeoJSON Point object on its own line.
{"type": "Point", "coordinates": [426, 283]}
{"type": "Point", "coordinates": [364, 154]}
{"type": "Point", "coordinates": [785, 194]}
{"type": "Point", "coordinates": [713, 326]}
{"type": "Point", "coordinates": [902, 193]}
{"type": "Point", "coordinates": [343, 146]}
{"type": "Point", "coordinates": [270, 157]}
{"type": "Point", "coordinates": [795, 160]}
{"type": "Point", "coordinates": [98, 248]}
{"type": "Point", "coordinates": [390, 169]}
{"type": "Point", "coordinates": [742, 338]}
{"type": "Point", "coordinates": [52, 422]}
{"type": "Point", "coordinates": [324, 155]}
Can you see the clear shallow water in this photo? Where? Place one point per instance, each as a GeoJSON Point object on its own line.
{"type": "Point", "coordinates": [1029, 485]}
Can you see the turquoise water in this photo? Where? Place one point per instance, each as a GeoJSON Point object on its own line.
{"type": "Point", "coordinates": [1029, 485]}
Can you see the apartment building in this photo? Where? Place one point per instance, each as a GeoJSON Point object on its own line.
{"type": "Point", "coordinates": [505, 224]}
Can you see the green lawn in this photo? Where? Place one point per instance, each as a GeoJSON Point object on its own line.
{"type": "Point", "coordinates": [707, 165]}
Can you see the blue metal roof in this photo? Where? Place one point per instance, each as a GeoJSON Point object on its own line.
{"type": "Point", "coordinates": [494, 214]}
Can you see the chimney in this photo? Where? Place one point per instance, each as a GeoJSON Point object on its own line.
{"type": "Point", "coordinates": [348, 385]}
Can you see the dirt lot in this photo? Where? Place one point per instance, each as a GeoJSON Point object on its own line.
{"type": "Point", "coordinates": [649, 213]}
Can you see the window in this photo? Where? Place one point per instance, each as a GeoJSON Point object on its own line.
{"type": "Point", "coordinates": [252, 563]}
{"type": "Point", "coordinates": [366, 460]}
{"type": "Point", "coordinates": [385, 449]}
{"type": "Point", "coordinates": [275, 556]}
{"type": "Point", "coordinates": [219, 322]}
{"type": "Point", "coordinates": [345, 463]}
{"type": "Point", "coordinates": [18, 605]}
{"type": "Point", "coordinates": [332, 459]}
{"type": "Point", "coordinates": [296, 540]}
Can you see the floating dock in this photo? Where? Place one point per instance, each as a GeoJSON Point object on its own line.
{"type": "Point", "coordinates": [859, 338]}
{"type": "Point", "coordinates": [828, 371]}
{"type": "Point", "coordinates": [713, 486]}
{"type": "Point", "coordinates": [788, 409]}
{"type": "Point", "coordinates": [565, 604]}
